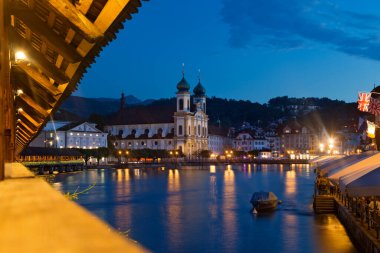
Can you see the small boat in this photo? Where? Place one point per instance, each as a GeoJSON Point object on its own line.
{"type": "Point", "coordinates": [264, 201]}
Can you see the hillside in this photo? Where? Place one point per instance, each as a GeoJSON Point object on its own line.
{"type": "Point", "coordinates": [84, 107]}
{"type": "Point", "coordinates": [326, 113]}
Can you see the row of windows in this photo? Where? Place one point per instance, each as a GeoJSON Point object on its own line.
{"type": "Point", "coordinates": [146, 131]}
{"type": "Point", "coordinates": [142, 143]}
{"type": "Point", "coordinates": [79, 134]}
{"type": "Point", "coordinates": [204, 130]}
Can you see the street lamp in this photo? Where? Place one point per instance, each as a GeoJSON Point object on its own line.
{"type": "Point", "coordinates": [228, 154]}
{"type": "Point", "coordinates": [331, 145]}
{"type": "Point", "coordinates": [126, 154]}
{"type": "Point", "coordinates": [321, 147]}
{"type": "Point", "coordinates": [119, 152]}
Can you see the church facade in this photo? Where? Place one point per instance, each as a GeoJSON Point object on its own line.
{"type": "Point", "coordinates": [186, 132]}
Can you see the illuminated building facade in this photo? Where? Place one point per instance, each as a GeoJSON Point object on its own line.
{"type": "Point", "coordinates": [70, 135]}
{"type": "Point", "coordinates": [186, 129]}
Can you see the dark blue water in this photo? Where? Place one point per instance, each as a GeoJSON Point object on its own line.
{"type": "Point", "coordinates": [208, 210]}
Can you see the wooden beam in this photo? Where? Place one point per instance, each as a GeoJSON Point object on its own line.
{"type": "Point", "coordinates": [35, 106]}
{"type": "Point", "coordinates": [39, 79]}
{"type": "Point", "coordinates": [25, 126]}
{"type": "Point", "coordinates": [21, 141]}
{"type": "Point", "coordinates": [67, 10]}
{"type": "Point", "coordinates": [38, 59]}
{"type": "Point", "coordinates": [4, 80]}
{"type": "Point", "coordinates": [25, 122]}
{"type": "Point", "coordinates": [24, 136]}
{"type": "Point", "coordinates": [56, 42]}
{"type": "Point", "coordinates": [30, 119]}
{"type": "Point", "coordinates": [21, 130]}
{"type": "Point", "coordinates": [110, 12]}
{"type": "Point", "coordinates": [84, 6]}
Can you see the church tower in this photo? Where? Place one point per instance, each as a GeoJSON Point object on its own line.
{"type": "Point", "coordinates": [199, 99]}
{"type": "Point", "coordinates": [182, 115]}
{"type": "Point", "coordinates": [183, 95]}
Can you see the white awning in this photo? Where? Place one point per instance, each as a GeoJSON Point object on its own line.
{"type": "Point", "coordinates": [367, 163]}
{"type": "Point", "coordinates": [349, 178]}
{"type": "Point", "coordinates": [366, 185]}
{"type": "Point", "coordinates": [341, 163]}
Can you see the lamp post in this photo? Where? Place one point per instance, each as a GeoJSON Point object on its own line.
{"type": "Point", "coordinates": [126, 155]}
{"type": "Point", "coordinates": [228, 154]}
{"type": "Point", "coordinates": [119, 152]}
{"type": "Point", "coordinates": [321, 147]}
{"type": "Point", "coordinates": [331, 145]}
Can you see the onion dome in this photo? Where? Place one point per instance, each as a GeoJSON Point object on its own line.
{"type": "Point", "coordinates": [183, 85]}
{"type": "Point", "coordinates": [199, 90]}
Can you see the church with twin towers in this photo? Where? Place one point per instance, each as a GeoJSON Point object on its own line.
{"type": "Point", "coordinates": [183, 128]}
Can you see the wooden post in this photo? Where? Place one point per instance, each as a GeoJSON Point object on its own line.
{"type": "Point", "coordinates": [9, 107]}
{"type": "Point", "coordinates": [5, 89]}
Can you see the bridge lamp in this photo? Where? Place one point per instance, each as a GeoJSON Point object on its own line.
{"type": "Point", "coordinates": [20, 56]}
{"type": "Point", "coordinates": [19, 92]}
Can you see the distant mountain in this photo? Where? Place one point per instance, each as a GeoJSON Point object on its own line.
{"type": "Point", "coordinates": [84, 107]}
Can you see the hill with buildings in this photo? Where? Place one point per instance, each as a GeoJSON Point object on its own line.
{"type": "Point", "coordinates": [321, 113]}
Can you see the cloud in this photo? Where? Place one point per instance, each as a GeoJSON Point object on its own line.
{"type": "Point", "coordinates": [291, 24]}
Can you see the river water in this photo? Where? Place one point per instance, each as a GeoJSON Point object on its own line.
{"type": "Point", "coordinates": [207, 209]}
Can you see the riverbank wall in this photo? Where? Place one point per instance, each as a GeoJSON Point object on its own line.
{"type": "Point", "coordinates": [198, 163]}
{"type": "Point", "coordinates": [362, 238]}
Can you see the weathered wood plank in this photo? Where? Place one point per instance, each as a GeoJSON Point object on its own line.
{"type": "Point", "coordinates": [4, 79]}
{"type": "Point", "coordinates": [35, 106]}
{"type": "Point", "coordinates": [67, 10]}
{"type": "Point", "coordinates": [38, 59]}
{"type": "Point", "coordinates": [54, 41]}
{"type": "Point", "coordinates": [30, 119]}
{"type": "Point", "coordinates": [110, 11]}
{"type": "Point", "coordinates": [26, 127]}
{"type": "Point", "coordinates": [39, 78]}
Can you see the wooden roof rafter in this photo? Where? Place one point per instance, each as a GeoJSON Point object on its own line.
{"type": "Point", "coordinates": [61, 39]}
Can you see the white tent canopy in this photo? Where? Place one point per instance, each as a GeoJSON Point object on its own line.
{"type": "Point", "coordinates": [365, 164]}
{"type": "Point", "coordinates": [366, 185]}
{"type": "Point", "coordinates": [341, 163]}
{"type": "Point", "coordinates": [349, 178]}
{"type": "Point", "coordinates": [321, 160]}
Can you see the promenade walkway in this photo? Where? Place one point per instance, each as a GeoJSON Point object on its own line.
{"type": "Point", "coordinates": [36, 218]}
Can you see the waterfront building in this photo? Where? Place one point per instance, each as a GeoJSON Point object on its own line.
{"type": "Point", "coordinates": [219, 140]}
{"type": "Point", "coordinates": [185, 129]}
{"type": "Point", "coordinates": [274, 141]}
{"type": "Point", "coordinates": [297, 138]}
{"type": "Point", "coordinates": [70, 135]}
{"type": "Point", "coordinates": [244, 141]}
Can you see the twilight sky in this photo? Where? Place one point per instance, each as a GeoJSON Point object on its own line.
{"type": "Point", "coordinates": [245, 49]}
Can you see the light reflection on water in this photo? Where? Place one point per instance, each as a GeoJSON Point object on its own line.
{"type": "Point", "coordinates": [207, 210]}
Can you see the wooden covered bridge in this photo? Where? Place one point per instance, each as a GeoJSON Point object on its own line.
{"type": "Point", "coordinates": [45, 48]}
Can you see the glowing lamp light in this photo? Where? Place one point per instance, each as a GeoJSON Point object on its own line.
{"type": "Point", "coordinates": [19, 92]}
{"type": "Point", "coordinates": [20, 56]}
{"type": "Point", "coordinates": [371, 129]}
{"type": "Point", "coordinates": [321, 147]}
{"type": "Point", "coordinates": [331, 143]}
